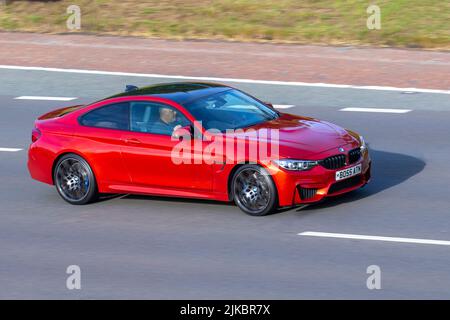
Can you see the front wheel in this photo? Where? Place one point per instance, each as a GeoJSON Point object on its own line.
{"type": "Point", "coordinates": [74, 180]}
{"type": "Point", "coordinates": [254, 191]}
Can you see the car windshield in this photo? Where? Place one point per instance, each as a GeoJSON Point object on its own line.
{"type": "Point", "coordinates": [230, 109]}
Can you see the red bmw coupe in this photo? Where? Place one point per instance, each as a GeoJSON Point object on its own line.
{"type": "Point", "coordinates": [195, 140]}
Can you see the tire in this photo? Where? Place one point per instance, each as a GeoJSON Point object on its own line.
{"type": "Point", "coordinates": [74, 180]}
{"type": "Point", "coordinates": [254, 191]}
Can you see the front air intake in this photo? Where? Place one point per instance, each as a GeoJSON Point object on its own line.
{"type": "Point", "coordinates": [354, 155]}
{"type": "Point", "coordinates": [345, 184]}
{"type": "Point", "coordinates": [307, 193]}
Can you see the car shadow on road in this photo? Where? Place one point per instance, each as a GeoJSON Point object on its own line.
{"type": "Point", "coordinates": [389, 169]}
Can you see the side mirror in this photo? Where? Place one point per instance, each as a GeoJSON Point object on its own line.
{"type": "Point", "coordinates": [183, 132]}
{"type": "Point", "coordinates": [130, 87]}
{"type": "Point", "coordinates": [269, 105]}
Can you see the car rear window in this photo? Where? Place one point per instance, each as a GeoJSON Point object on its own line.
{"type": "Point", "coordinates": [113, 116]}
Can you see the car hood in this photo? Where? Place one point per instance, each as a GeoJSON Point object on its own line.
{"type": "Point", "coordinates": [304, 138]}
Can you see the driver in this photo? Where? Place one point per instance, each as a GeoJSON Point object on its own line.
{"type": "Point", "coordinates": [167, 122]}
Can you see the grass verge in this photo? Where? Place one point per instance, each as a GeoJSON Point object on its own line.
{"type": "Point", "coordinates": [404, 23]}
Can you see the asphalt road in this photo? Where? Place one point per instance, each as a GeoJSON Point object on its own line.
{"type": "Point", "coordinates": [149, 247]}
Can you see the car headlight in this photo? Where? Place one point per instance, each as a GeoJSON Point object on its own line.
{"type": "Point", "coordinates": [363, 146]}
{"type": "Point", "coordinates": [296, 165]}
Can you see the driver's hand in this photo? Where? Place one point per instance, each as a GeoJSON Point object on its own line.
{"type": "Point", "coordinates": [178, 126]}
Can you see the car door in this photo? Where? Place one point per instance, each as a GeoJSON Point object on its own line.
{"type": "Point", "coordinates": [99, 137]}
{"type": "Point", "coordinates": [148, 151]}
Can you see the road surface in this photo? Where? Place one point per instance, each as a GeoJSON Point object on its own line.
{"type": "Point", "coordinates": [163, 248]}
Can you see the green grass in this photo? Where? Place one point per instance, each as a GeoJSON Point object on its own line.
{"type": "Point", "coordinates": [405, 23]}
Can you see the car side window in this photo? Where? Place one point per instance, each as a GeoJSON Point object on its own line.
{"type": "Point", "coordinates": [155, 118]}
{"type": "Point", "coordinates": [113, 116]}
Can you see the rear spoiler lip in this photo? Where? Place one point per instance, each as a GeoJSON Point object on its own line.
{"type": "Point", "coordinates": [57, 113]}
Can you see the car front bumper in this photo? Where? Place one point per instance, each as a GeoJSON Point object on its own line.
{"type": "Point", "coordinates": [302, 187]}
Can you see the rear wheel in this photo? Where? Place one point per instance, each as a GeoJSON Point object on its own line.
{"type": "Point", "coordinates": [74, 180]}
{"type": "Point", "coordinates": [254, 191]}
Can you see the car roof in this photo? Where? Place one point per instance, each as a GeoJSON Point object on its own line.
{"type": "Point", "coordinates": [179, 92]}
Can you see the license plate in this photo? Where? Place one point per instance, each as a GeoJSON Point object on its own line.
{"type": "Point", "coordinates": [347, 173]}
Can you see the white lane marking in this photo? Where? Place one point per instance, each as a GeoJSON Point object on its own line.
{"type": "Point", "coordinates": [270, 82]}
{"type": "Point", "coordinates": [44, 98]}
{"type": "Point", "coordinates": [10, 149]}
{"type": "Point", "coordinates": [373, 238]}
{"type": "Point", "coordinates": [283, 106]}
{"type": "Point", "coordinates": [378, 110]}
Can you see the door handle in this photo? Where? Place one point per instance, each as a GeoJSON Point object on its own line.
{"type": "Point", "coordinates": [132, 141]}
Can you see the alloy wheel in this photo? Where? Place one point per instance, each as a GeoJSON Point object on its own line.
{"type": "Point", "coordinates": [252, 190]}
{"type": "Point", "coordinates": [72, 179]}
